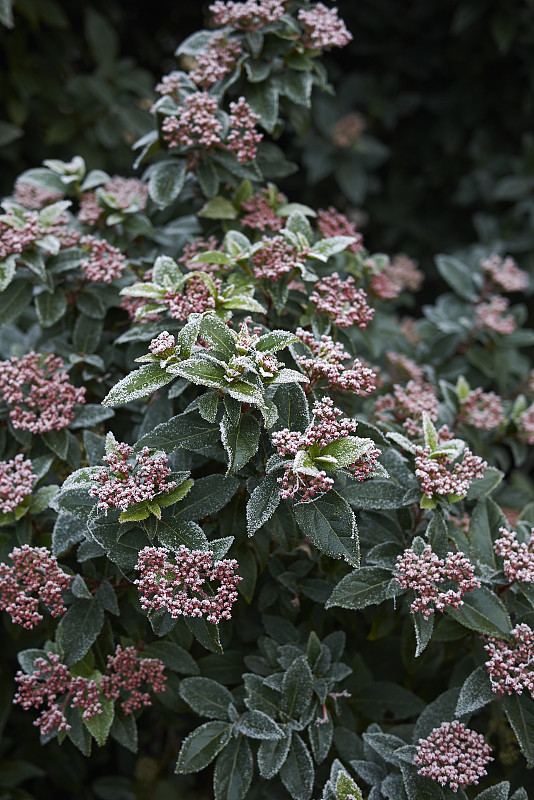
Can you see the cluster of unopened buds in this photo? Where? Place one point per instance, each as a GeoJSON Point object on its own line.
{"type": "Point", "coordinates": [124, 482]}
{"type": "Point", "coordinates": [518, 557]}
{"type": "Point", "coordinates": [194, 299]}
{"type": "Point", "coordinates": [249, 15]}
{"type": "Point", "coordinates": [260, 216]}
{"type": "Point", "coordinates": [124, 193]}
{"type": "Point", "coordinates": [193, 249]}
{"type": "Point", "coordinates": [276, 258]}
{"type": "Point", "coordinates": [342, 302]}
{"type": "Point", "coordinates": [37, 392]}
{"type": "Point", "coordinates": [15, 239]}
{"type": "Point", "coordinates": [483, 410]}
{"type": "Point", "coordinates": [332, 222]}
{"type": "Point", "coordinates": [33, 197]}
{"type": "Point", "coordinates": [453, 755]}
{"type": "Point", "coordinates": [16, 482]}
{"type": "Point", "coordinates": [435, 477]}
{"type": "Point", "coordinates": [162, 345]}
{"type": "Point", "coordinates": [402, 367]}
{"type": "Point", "coordinates": [34, 576]}
{"type": "Point", "coordinates": [104, 262]}
{"type": "Point", "coordinates": [432, 579]}
{"type": "Point", "coordinates": [322, 28]}
{"type": "Point", "coordinates": [406, 404]}
{"type": "Point", "coordinates": [504, 273]}
{"type": "Point", "coordinates": [349, 129]}
{"type": "Point", "coordinates": [398, 274]}
{"type": "Point", "coordinates": [510, 664]}
{"type": "Point", "coordinates": [217, 60]}
{"type": "Point", "coordinates": [52, 685]}
{"type": "Point", "coordinates": [491, 315]}
{"type": "Point", "coordinates": [525, 425]}
{"type": "Point", "coordinates": [178, 586]}
{"type": "Point", "coordinates": [326, 363]}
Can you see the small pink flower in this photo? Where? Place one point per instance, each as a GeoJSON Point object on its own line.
{"type": "Point", "coordinates": [162, 345]}
{"type": "Point", "coordinates": [518, 558]}
{"type": "Point", "coordinates": [505, 273]}
{"type": "Point", "coordinates": [194, 298]}
{"type": "Point", "coordinates": [492, 315]}
{"type": "Point", "coordinates": [196, 248]}
{"type": "Point", "coordinates": [525, 426]}
{"type": "Point", "coordinates": [435, 477]}
{"type": "Point", "coordinates": [249, 15]}
{"type": "Point", "coordinates": [510, 663]}
{"type": "Point", "coordinates": [326, 364]}
{"type": "Point", "coordinates": [169, 84]}
{"type": "Point", "coordinates": [196, 123]}
{"type": "Point", "coordinates": [243, 139]}
{"type": "Point", "coordinates": [482, 410]}
{"type": "Point", "coordinates": [33, 197]}
{"type": "Point", "coordinates": [217, 60]}
{"type": "Point", "coordinates": [348, 130]}
{"type": "Point", "coordinates": [331, 222]}
{"type": "Point", "coordinates": [16, 482]}
{"type": "Point", "coordinates": [104, 262]}
{"type": "Point", "coordinates": [276, 259]}
{"type": "Point", "coordinates": [453, 755]}
{"type": "Point", "coordinates": [130, 674]}
{"type": "Point", "coordinates": [340, 300]}
{"type": "Point", "coordinates": [260, 216]}
{"type": "Point", "coordinates": [14, 240]}
{"type": "Point", "coordinates": [322, 28]}
{"type": "Point", "coordinates": [406, 406]}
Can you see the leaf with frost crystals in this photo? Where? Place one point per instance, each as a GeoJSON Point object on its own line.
{"type": "Point", "coordinates": [202, 370]}
{"type": "Point", "coordinates": [329, 522]}
{"type": "Point", "coordinates": [262, 503]}
{"type": "Point", "coordinates": [139, 383]}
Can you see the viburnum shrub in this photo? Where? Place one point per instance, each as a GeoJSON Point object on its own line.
{"type": "Point", "coordinates": [239, 486]}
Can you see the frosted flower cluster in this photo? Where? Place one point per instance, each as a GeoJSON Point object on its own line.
{"type": "Point", "coordinates": [249, 15]}
{"type": "Point", "coordinates": [400, 366]}
{"type": "Point", "coordinates": [178, 586]}
{"type": "Point", "coordinates": [326, 363]}
{"type": "Point", "coordinates": [125, 482]}
{"type": "Point", "coordinates": [260, 216]}
{"type": "Point", "coordinates": [483, 410]}
{"type": "Point", "coordinates": [169, 84]}
{"type": "Point", "coordinates": [453, 755]}
{"type": "Point", "coordinates": [197, 247]}
{"type": "Point", "coordinates": [133, 676]}
{"type": "Point", "coordinates": [331, 222]}
{"type": "Point", "coordinates": [406, 404]}
{"type": "Point", "coordinates": [33, 197]}
{"type": "Point", "coordinates": [342, 302]}
{"type": "Point", "coordinates": [243, 139]}
{"type": "Point", "coordinates": [37, 392]}
{"type": "Point", "coordinates": [435, 477]}
{"type": "Point", "coordinates": [163, 344]}
{"type": "Point", "coordinates": [104, 262]}
{"type": "Point", "coordinates": [492, 315]}
{"type": "Point", "coordinates": [126, 193]}
{"type": "Point", "coordinates": [404, 272]}
{"type": "Point", "coordinates": [217, 60]}
{"type": "Point", "coordinates": [505, 273]}
{"type": "Point", "coordinates": [14, 240]}
{"type": "Point", "coordinates": [276, 258]}
{"type": "Point", "coordinates": [322, 28]}
{"type": "Point", "coordinates": [518, 557]}
{"type": "Point", "coordinates": [195, 298]}
{"type": "Point", "coordinates": [16, 482]}
{"type": "Point", "coordinates": [34, 576]}
{"type": "Point", "coordinates": [432, 579]}
{"type": "Point", "coordinates": [510, 664]}
{"type": "Point", "coordinates": [526, 425]}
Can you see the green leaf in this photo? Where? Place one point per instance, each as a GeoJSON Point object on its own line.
{"type": "Point", "coordinates": [482, 611]}
{"type": "Point", "coordinates": [173, 533]}
{"type": "Point", "coordinates": [321, 737]}
{"type": "Point", "coordinates": [458, 275]}
{"type": "Point", "coordinates": [297, 773]}
{"type": "Point", "coordinates": [42, 498]}
{"type": "Point", "coordinates": [519, 710]}
{"type": "Point", "coordinates": [423, 629]}
{"type": "Point", "coordinates": [257, 725]}
{"type": "Point", "coordinates": [138, 383]}
{"type": "Point", "coordinates": [219, 335]}
{"type": "Point", "coordinates": [374, 700]}
{"type": "Point", "coordinates": [203, 371]}
{"type": "Point", "coordinates": [50, 307]}
{"type": "Point", "coordinates": [497, 792]}
{"type": "Point", "coordinates": [364, 587]}
{"type": "Point", "coordinates": [297, 688]}
{"type": "Point", "coordinates": [206, 697]}
{"type": "Point", "coordinates": [14, 300]}
{"type": "Point", "coordinates": [173, 656]}
{"type": "Point", "coordinates": [208, 405]}
{"type": "Point", "coordinates": [233, 771]}
{"type": "Point", "coordinates": [206, 633]}
{"type": "Point", "coordinates": [166, 181]}
{"type": "Point", "coordinates": [293, 412]}
{"type": "Point", "coordinates": [346, 787]}
{"type": "Point", "coordinates": [274, 341]}
{"type": "Point", "coordinates": [240, 440]}
{"type": "Point", "coordinates": [187, 431]}
{"type": "Point", "coordinates": [78, 629]}
{"type": "Point", "coordinates": [58, 442]}
{"type": "Point", "coordinates": [202, 745]}
{"type": "Point", "coordinates": [482, 486]}
{"type": "Point", "coordinates": [100, 725]}
{"type": "Point", "coordinates": [476, 692]}
{"type": "Point", "coordinates": [90, 415]}
{"type": "Point", "coordinates": [272, 753]}
{"type": "Point", "coordinates": [7, 271]}
{"type": "Point", "coordinates": [124, 730]}
{"type": "Point", "coordinates": [218, 208]}
{"type": "Point", "coordinates": [330, 524]}
{"type": "Point", "coordinates": [263, 99]}
{"type": "Point", "coordinates": [326, 248]}
{"type": "Point", "coordinates": [86, 334]}
{"type": "Point", "coordinates": [346, 450]}
{"type": "Point", "coordinates": [207, 496]}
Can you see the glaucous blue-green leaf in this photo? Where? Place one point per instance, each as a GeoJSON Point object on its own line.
{"type": "Point", "coordinates": [202, 745]}
{"type": "Point", "coordinates": [321, 737]}
{"type": "Point", "coordinates": [166, 181]}
{"type": "Point", "coordinates": [206, 697]}
{"type": "Point", "coordinates": [519, 710]}
{"type": "Point", "coordinates": [257, 725]}
{"type": "Point", "coordinates": [260, 697]}
{"type": "Point", "coordinates": [476, 692]}
{"type": "Point", "coordinates": [78, 629]}
{"type": "Point", "coordinates": [233, 771]}
{"type": "Point", "coordinates": [364, 587]}
{"type": "Point", "coordinates": [50, 307]}
{"type": "Point", "coordinates": [262, 503]}
{"type": "Point", "coordinates": [497, 792]}
{"type": "Point", "coordinates": [188, 431]}
{"type": "Point", "coordinates": [272, 754]}
{"type": "Point", "coordinates": [330, 524]}
{"type": "Point", "coordinates": [458, 276]}
{"type": "Point", "coordinates": [207, 496]}
{"type": "Point", "coordinates": [297, 772]}
{"type": "Point", "coordinates": [297, 688]}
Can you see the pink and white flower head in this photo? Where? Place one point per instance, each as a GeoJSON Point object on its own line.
{"type": "Point", "coordinates": [436, 478]}
{"type": "Point", "coordinates": [404, 273]}
{"type": "Point", "coordinates": [322, 28]}
{"type": "Point", "coordinates": [453, 755]}
{"type": "Point", "coordinates": [406, 405]}
{"type": "Point", "coordinates": [276, 258]}
{"type": "Point", "coordinates": [195, 298]}
{"type": "Point", "coordinates": [249, 15]}
{"type": "Point", "coordinates": [33, 197]}
{"type": "Point", "coordinates": [133, 678]}
{"type": "Point", "coordinates": [126, 482]}
{"type": "Point", "coordinates": [170, 84]}
{"type": "Point", "coordinates": [16, 239]}
{"type": "Point", "coordinates": [260, 216]}
{"type": "Point", "coordinates": [197, 247]}
{"type": "Point", "coordinates": [505, 273]}
{"type": "Point", "coordinates": [124, 193]}
{"type": "Point", "coordinates": [438, 583]}
{"type": "Point", "coordinates": [492, 316]}
{"type": "Point", "coordinates": [326, 363]}
{"type": "Point", "coordinates": [179, 585]}
{"type": "Point", "coordinates": [162, 345]}
{"type": "Point", "coordinates": [16, 482]}
{"type": "Point", "coordinates": [196, 124]}
{"type": "Point", "coordinates": [342, 302]}
{"type": "Point", "coordinates": [518, 557]}
{"type": "Point", "coordinates": [104, 262]}
{"type": "Point", "coordinates": [34, 576]}
{"type": "Point", "coordinates": [483, 410]}
{"type": "Point", "coordinates": [38, 393]}
{"type": "Point", "coordinates": [332, 222]}
{"type": "Point", "coordinates": [243, 139]}
{"type": "Point", "coordinates": [525, 425]}
{"type": "Point", "coordinates": [510, 665]}
{"type": "Point", "coordinates": [217, 60]}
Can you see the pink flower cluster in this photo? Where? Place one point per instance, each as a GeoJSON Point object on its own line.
{"type": "Point", "coordinates": [331, 222]}
{"type": "Point", "coordinates": [126, 193]}
{"type": "Point", "coordinates": [169, 85]}
{"type": "Point", "coordinates": [428, 575]}
{"type": "Point", "coordinates": [323, 28]}
{"type": "Point", "coordinates": [249, 15]}
{"type": "Point", "coordinates": [404, 273]}
{"type": "Point", "coordinates": [435, 478]}
{"type": "Point", "coordinates": [453, 755]}
{"type": "Point", "coordinates": [16, 240]}
{"type": "Point", "coordinates": [492, 315]}
{"type": "Point", "coordinates": [35, 575]}
{"type": "Point", "coordinates": [510, 665]}
{"type": "Point", "coordinates": [217, 60]}
{"type": "Point", "coordinates": [260, 216]}
{"type": "Point", "coordinates": [401, 367]}
{"type": "Point", "coordinates": [104, 262]}
{"type": "Point", "coordinates": [526, 425]}
{"type": "Point", "coordinates": [178, 587]}
{"type": "Point", "coordinates": [16, 482]}
{"type": "Point", "coordinates": [340, 300]}
{"type": "Point", "coordinates": [122, 483]}
{"type": "Point", "coordinates": [482, 410]}
{"type": "Point", "coordinates": [243, 139]}
{"type": "Point", "coordinates": [406, 405]}
{"type": "Point", "coordinates": [33, 197]}
{"type": "Point", "coordinates": [38, 393]}
{"type": "Point", "coordinates": [128, 673]}
{"type": "Point", "coordinates": [276, 258]}
{"type": "Point", "coordinates": [326, 363]}
{"type": "Point", "coordinates": [348, 130]}
{"type": "Point", "coordinates": [196, 248]}
{"type": "Point", "coordinates": [195, 298]}
{"type": "Point", "coordinates": [162, 345]}
{"type": "Point", "coordinates": [518, 558]}
{"type": "Point", "coordinates": [505, 273]}
{"type": "Point", "coordinates": [52, 680]}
